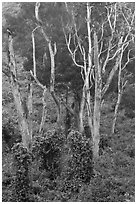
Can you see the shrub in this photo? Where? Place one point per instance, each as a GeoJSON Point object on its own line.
{"type": "Point", "coordinates": [48, 149]}
{"type": "Point", "coordinates": [9, 134]}
{"type": "Point", "coordinates": [22, 183]}
{"type": "Point", "coordinates": [78, 165]}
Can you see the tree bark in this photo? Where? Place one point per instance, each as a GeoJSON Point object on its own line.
{"type": "Point", "coordinates": [81, 111]}
{"type": "Point", "coordinates": [44, 111]}
{"type": "Point", "coordinates": [24, 127]}
{"type": "Point", "coordinates": [113, 71]}
{"type": "Point", "coordinates": [97, 100]}
{"type": "Point", "coordinates": [52, 51]}
{"type": "Point", "coordinates": [120, 92]}
{"type": "Point", "coordinates": [88, 82]}
{"type": "Point", "coordinates": [30, 107]}
{"type": "Point", "coordinates": [116, 110]}
{"type": "Point", "coordinates": [76, 113]}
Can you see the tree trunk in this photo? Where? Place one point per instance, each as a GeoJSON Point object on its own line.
{"type": "Point", "coordinates": [113, 71]}
{"type": "Point", "coordinates": [120, 91]}
{"type": "Point", "coordinates": [52, 51]}
{"type": "Point", "coordinates": [97, 102]}
{"type": "Point", "coordinates": [116, 111]}
{"type": "Point", "coordinates": [22, 112]}
{"type": "Point", "coordinates": [44, 112]}
{"type": "Point", "coordinates": [88, 82]}
{"type": "Point", "coordinates": [76, 113]}
{"type": "Point", "coordinates": [90, 121]}
{"type": "Point", "coordinates": [81, 112]}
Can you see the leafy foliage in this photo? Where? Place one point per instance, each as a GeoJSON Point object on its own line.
{"type": "Point", "coordinates": [22, 185]}
{"type": "Point", "coordinates": [82, 156]}
{"type": "Point", "coordinates": [10, 134]}
{"type": "Point", "coordinates": [47, 148]}
{"type": "Point", "coordinates": [113, 182]}
{"type": "Point", "coordinates": [77, 164]}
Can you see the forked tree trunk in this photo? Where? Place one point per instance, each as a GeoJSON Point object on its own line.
{"type": "Point", "coordinates": [52, 81]}
{"type": "Point", "coordinates": [113, 71]}
{"type": "Point", "coordinates": [97, 102]}
{"type": "Point", "coordinates": [52, 51]}
{"type": "Point", "coordinates": [24, 127]}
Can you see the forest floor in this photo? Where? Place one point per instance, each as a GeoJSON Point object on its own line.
{"type": "Point", "coordinates": [115, 181]}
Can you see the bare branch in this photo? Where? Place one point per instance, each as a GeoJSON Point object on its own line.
{"type": "Point", "coordinates": [109, 16]}
{"type": "Point", "coordinates": [73, 53]}
{"type": "Point", "coordinates": [115, 15]}
{"type": "Point", "coordinates": [133, 19]}
{"type": "Point", "coordinates": [83, 69]}
{"type": "Point", "coordinates": [37, 5]}
{"type": "Point", "coordinates": [114, 55]}
{"type": "Point", "coordinates": [37, 81]}
{"type": "Point", "coordinates": [100, 51]}
{"type": "Point", "coordinates": [55, 48]}
{"type": "Point", "coordinates": [128, 60]}
{"type": "Point", "coordinates": [68, 108]}
{"type": "Point", "coordinates": [128, 23]}
{"type": "Point", "coordinates": [124, 84]}
{"type": "Point", "coordinates": [102, 31]}
{"type": "Point", "coordinates": [34, 58]}
{"type": "Point", "coordinates": [108, 54]}
{"type": "Point", "coordinates": [76, 33]}
{"type": "Point", "coordinates": [110, 77]}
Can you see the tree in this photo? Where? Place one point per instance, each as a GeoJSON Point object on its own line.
{"type": "Point", "coordinates": [95, 48]}
{"type": "Point", "coordinates": [123, 74]}
{"type": "Point", "coordinates": [24, 107]}
{"type": "Point", "coordinates": [109, 34]}
{"type": "Point", "coordinates": [64, 68]}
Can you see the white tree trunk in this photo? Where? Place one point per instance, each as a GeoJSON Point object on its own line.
{"type": "Point", "coordinates": [97, 102]}
{"type": "Point", "coordinates": [120, 91]}
{"type": "Point", "coordinates": [22, 112]}
{"type": "Point", "coordinates": [52, 51]}
{"type": "Point", "coordinates": [81, 112]}
{"type": "Point", "coordinates": [30, 105]}
{"type": "Point", "coordinates": [89, 70]}
{"type": "Point", "coordinates": [90, 120]}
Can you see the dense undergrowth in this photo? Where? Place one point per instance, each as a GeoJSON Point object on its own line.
{"type": "Point", "coordinates": [67, 174]}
